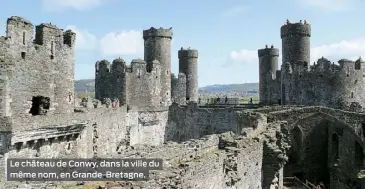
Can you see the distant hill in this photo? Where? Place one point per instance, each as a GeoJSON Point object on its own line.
{"type": "Point", "coordinates": [88, 85]}
{"type": "Point", "coordinates": [84, 85]}
{"type": "Point", "coordinates": [231, 88]}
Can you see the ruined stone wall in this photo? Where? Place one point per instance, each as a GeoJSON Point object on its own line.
{"type": "Point", "coordinates": [157, 46]}
{"type": "Point", "coordinates": [326, 84]}
{"type": "Point", "coordinates": [137, 85]}
{"type": "Point", "coordinates": [345, 157]}
{"type": "Point", "coordinates": [150, 129]}
{"type": "Point", "coordinates": [178, 89]}
{"type": "Point", "coordinates": [268, 66]}
{"type": "Point", "coordinates": [41, 70]}
{"type": "Point", "coordinates": [188, 64]}
{"type": "Point", "coordinates": [312, 130]}
{"type": "Point", "coordinates": [5, 141]}
{"type": "Point", "coordinates": [191, 122]}
{"type": "Point", "coordinates": [6, 64]}
{"type": "Point", "coordinates": [144, 86]}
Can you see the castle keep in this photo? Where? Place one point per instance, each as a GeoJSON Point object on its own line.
{"type": "Point", "coordinates": [154, 114]}
{"type": "Point", "coordinates": [323, 83]}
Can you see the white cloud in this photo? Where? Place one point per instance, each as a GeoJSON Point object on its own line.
{"type": "Point", "coordinates": [349, 49]}
{"type": "Point", "coordinates": [331, 5]}
{"type": "Point", "coordinates": [80, 5]}
{"type": "Point", "coordinates": [235, 11]}
{"type": "Point", "coordinates": [84, 40]}
{"type": "Point", "coordinates": [122, 43]}
{"type": "Point", "coordinates": [244, 56]}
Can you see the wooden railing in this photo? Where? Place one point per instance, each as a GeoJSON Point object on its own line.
{"type": "Point", "coordinates": [306, 184]}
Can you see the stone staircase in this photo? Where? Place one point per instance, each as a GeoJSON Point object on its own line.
{"type": "Point", "coordinates": [289, 182]}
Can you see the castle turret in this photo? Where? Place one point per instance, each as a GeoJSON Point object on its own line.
{"type": "Point", "coordinates": [188, 64]}
{"type": "Point", "coordinates": [360, 64]}
{"type": "Point", "coordinates": [102, 79]}
{"type": "Point", "coordinates": [296, 42]}
{"type": "Point", "coordinates": [119, 80]}
{"type": "Point", "coordinates": [268, 65]}
{"type": "Point", "coordinates": [157, 46]}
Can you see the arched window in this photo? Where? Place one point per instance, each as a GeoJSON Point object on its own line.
{"type": "Point", "coordinates": [296, 138]}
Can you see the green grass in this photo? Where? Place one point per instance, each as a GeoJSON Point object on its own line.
{"type": "Point", "coordinates": [82, 95]}
{"type": "Point", "coordinates": [247, 98]}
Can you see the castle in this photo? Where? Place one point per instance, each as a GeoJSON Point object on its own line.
{"type": "Point", "coordinates": [323, 83]}
{"type": "Point", "coordinates": [149, 83]}
{"type": "Point", "coordinates": [155, 115]}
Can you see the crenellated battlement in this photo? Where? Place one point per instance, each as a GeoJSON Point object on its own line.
{"type": "Point", "coordinates": [188, 53]}
{"type": "Point", "coordinates": [118, 66]}
{"type": "Point", "coordinates": [134, 84]}
{"type": "Point", "coordinates": [140, 66]}
{"type": "Point", "coordinates": [19, 21]}
{"type": "Point", "coordinates": [45, 33]}
{"type": "Point", "coordinates": [40, 69]}
{"type": "Point", "coordinates": [102, 66]}
{"type": "Point", "coordinates": [69, 38]}
{"type": "Point", "coordinates": [295, 29]}
{"type": "Point", "coordinates": [268, 51]}
{"type": "Point", "coordinates": [21, 31]}
{"type": "Point", "coordinates": [153, 32]}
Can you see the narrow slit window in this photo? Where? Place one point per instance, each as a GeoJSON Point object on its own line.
{"type": "Point", "coordinates": [23, 38]}
{"type": "Point", "coordinates": [52, 48]}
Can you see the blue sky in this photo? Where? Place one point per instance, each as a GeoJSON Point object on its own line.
{"type": "Point", "coordinates": [227, 33]}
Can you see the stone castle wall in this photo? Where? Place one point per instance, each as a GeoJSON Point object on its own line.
{"type": "Point", "coordinates": [35, 71]}
{"type": "Point", "coordinates": [178, 89]}
{"type": "Point", "coordinates": [132, 84]}
{"type": "Point", "coordinates": [324, 83]}
{"type": "Point", "coordinates": [192, 122]}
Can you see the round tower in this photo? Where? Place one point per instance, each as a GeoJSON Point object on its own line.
{"type": "Point", "coordinates": [188, 64]}
{"type": "Point", "coordinates": [268, 65]}
{"type": "Point", "coordinates": [102, 70]}
{"type": "Point", "coordinates": [119, 80]}
{"type": "Point", "coordinates": [296, 42]}
{"type": "Point", "coordinates": [157, 46]}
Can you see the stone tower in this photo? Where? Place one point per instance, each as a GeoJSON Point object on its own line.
{"type": "Point", "coordinates": [102, 78]}
{"type": "Point", "coordinates": [188, 64]}
{"type": "Point", "coordinates": [296, 42]}
{"type": "Point", "coordinates": [268, 65]}
{"type": "Point", "coordinates": [119, 84]}
{"type": "Point", "coordinates": [157, 46]}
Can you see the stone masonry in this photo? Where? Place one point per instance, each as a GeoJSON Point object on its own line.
{"type": "Point", "coordinates": [149, 83]}
{"type": "Point", "coordinates": [323, 83]}
{"type": "Point", "coordinates": [141, 110]}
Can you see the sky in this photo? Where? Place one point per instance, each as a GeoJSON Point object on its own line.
{"type": "Point", "coordinates": [227, 33]}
